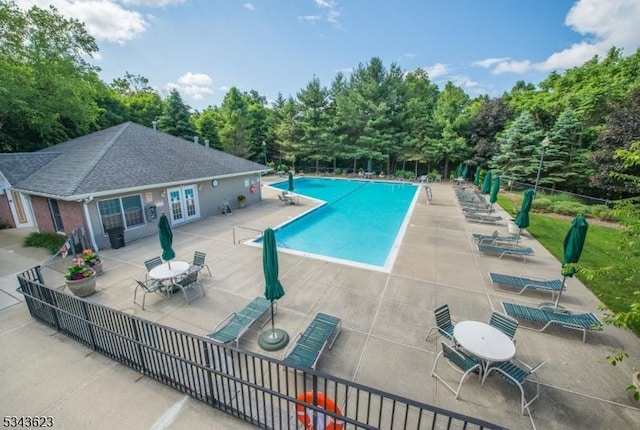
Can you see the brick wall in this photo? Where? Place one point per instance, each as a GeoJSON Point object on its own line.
{"type": "Point", "coordinates": [5, 210]}
{"type": "Point", "coordinates": [72, 214]}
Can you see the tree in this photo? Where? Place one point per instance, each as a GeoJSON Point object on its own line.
{"type": "Point", "coordinates": [314, 123]}
{"type": "Point", "coordinates": [448, 144]}
{"type": "Point", "coordinates": [622, 128]}
{"type": "Point", "coordinates": [208, 124]}
{"type": "Point", "coordinates": [175, 118]}
{"type": "Point", "coordinates": [520, 149]}
{"type": "Point", "coordinates": [489, 121]}
{"type": "Point", "coordinates": [47, 88]}
{"type": "Point", "coordinates": [235, 132]}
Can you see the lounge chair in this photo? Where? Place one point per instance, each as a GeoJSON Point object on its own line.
{"type": "Point", "coordinates": [235, 325]}
{"type": "Point", "coordinates": [583, 321]}
{"type": "Point", "coordinates": [462, 361]}
{"type": "Point", "coordinates": [286, 199]}
{"type": "Point", "coordinates": [482, 218]}
{"type": "Point", "coordinates": [513, 251]}
{"type": "Point", "coordinates": [307, 347]}
{"type": "Point", "coordinates": [517, 372]}
{"type": "Point", "coordinates": [521, 283]}
{"type": "Point", "coordinates": [496, 238]}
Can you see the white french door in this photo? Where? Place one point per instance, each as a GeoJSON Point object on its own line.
{"type": "Point", "coordinates": [183, 204]}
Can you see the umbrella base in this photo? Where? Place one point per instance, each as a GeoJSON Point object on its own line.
{"type": "Point", "coordinates": [273, 340]}
{"type": "Point", "coordinates": [551, 307]}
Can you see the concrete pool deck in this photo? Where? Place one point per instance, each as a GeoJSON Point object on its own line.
{"type": "Point", "coordinates": [385, 317]}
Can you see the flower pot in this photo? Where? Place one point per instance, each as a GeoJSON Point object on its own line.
{"type": "Point", "coordinates": [97, 267]}
{"type": "Point", "coordinates": [82, 287]}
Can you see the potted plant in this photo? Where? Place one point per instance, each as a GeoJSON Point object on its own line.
{"type": "Point", "coordinates": [93, 260]}
{"type": "Point", "coordinates": [242, 201]}
{"type": "Point", "coordinates": [80, 278]}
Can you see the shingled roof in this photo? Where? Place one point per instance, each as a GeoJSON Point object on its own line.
{"type": "Point", "coordinates": [123, 157]}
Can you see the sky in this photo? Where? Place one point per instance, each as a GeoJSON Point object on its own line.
{"type": "Point", "coordinates": [204, 47]}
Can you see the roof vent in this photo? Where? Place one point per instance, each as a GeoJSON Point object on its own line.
{"type": "Point", "coordinates": [196, 139]}
{"type": "Point", "coordinates": [206, 143]}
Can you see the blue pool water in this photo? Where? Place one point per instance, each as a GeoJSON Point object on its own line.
{"type": "Point", "coordinates": [360, 221]}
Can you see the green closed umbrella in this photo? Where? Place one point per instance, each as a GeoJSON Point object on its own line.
{"type": "Point", "coordinates": [273, 339]}
{"type": "Point", "coordinates": [573, 244]}
{"type": "Point", "coordinates": [166, 239]}
{"type": "Point", "coordinates": [493, 194]}
{"type": "Point", "coordinates": [465, 172]}
{"type": "Point", "coordinates": [486, 184]}
{"type": "Point", "coordinates": [476, 177]}
{"type": "Point", "coordinates": [522, 220]}
{"type": "Point", "coordinates": [369, 165]}
{"type": "Point", "coordinates": [459, 170]}
{"type": "Point", "coordinates": [290, 182]}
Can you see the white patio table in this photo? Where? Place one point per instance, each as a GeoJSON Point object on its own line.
{"type": "Point", "coordinates": [168, 272]}
{"type": "Point", "coordinates": [484, 342]}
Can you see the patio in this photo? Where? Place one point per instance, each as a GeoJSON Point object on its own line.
{"type": "Point", "coordinates": [385, 317]}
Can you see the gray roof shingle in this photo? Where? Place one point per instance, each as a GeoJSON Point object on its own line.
{"type": "Point", "coordinates": [127, 156]}
{"type": "Point", "coordinates": [19, 166]}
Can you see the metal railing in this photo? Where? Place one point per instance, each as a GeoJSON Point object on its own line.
{"type": "Point", "coordinates": [509, 184]}
{"type": "Point", "coordinates": [239, 227]}
{"type": "Point", "coordinates": [256, 389]}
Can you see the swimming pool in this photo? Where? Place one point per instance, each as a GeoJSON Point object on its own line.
{"type": "Point", "coordinates": [361, 221]}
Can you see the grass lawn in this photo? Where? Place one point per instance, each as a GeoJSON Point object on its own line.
{"type": "Point", "coordinates": [615, 289]}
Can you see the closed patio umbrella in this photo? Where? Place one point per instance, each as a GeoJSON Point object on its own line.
{"type": "Point", "coordinates": [369, 165]}
{"type": "Point", "coordinates": [290, 182]}
{"type": "Point", "coordinates": [486, 184]}
{"type": "Point", "coordinates": [166, 239]}
{"type": "Point", "coordinates": [273, 339]}
{"type": "Point", "coordinates": [465, 172]}
{"type": "Point", "coordinates": [476, 177]}
{"type": "Point", "coordinates": [573, 244]}
{"type": "Point", "coordinates": [522, 220]}
{"type": "Point", "coordinates": [459, 170]}
{"type": "Point", "coordinates": [493, 194]}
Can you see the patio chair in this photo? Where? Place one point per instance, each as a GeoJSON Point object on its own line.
{"type": "Point", "coordinates": [495, 237]}
{"type": "Point", "coordinates": [563, 318]}
{"type": "Point", "coordinates": [505, 324]}
{"type": "Point", "coordinates": [286, 199]}
{"type": "Point", "coordinates": [235, 325]}
{"type": "Point", "coordinates": [444, 325]}
{"type": "Point", "coordinates": [482, 218]}
{"type": "Point", "coordinates": [459, 359]}
{"type": "Point", "coordinates": [187, 283]}
{"type": "Point", "coordinates": [517, 374]}
{"type": "Point", "coordinates": [521, 283]}
{"type": "Point", "coordinates": [149, 286]}
{"type": "Point", "coordinates": [150, 264]}
{"type": "Point", "coordinates": [198, 262]}
{"type": "Point", "coordinates": [307, 347]}
{"type": "Point", "coordinates": [514, 251]}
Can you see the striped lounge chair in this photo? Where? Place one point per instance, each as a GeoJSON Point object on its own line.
{"type": "Point", "coordinates": [583, 322]}
{"type": "Point", "coordinates": [521, 283]}
{"type": "Point", "coordinates": [514, 251]}
{"type": "Point", "coordinates": [235, 324]}
{"type": "Point", "coordinates": [307, 348]}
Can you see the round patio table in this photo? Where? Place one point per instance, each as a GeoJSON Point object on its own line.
{"type": "Point", "coordinates": [164, 273]}
{"type": "Point", "coordinates": [484, 342]}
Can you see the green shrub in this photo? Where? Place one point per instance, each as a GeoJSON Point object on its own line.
{"type": "Point", "coordinates": [337, 171]}
{"type": "Point", "coordinates": [542, 204]}
{"type": "Point", "coordinates": [4, 225]}
{"type": "Point", "coordinates": [568, 207]}
{"type": "Point", "coordinates": [51, 241]}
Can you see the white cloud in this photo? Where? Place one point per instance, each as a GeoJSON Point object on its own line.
{"type": "Point", "coordinates": [309, 18]}
{"type": "Point", "coordinates": [103, 19]}
{"type": "Point", "coordinates": [249, 6]}
{"type": "Point", "coordinates": [512, 67]}
{"type": "Point", "coordinates": [437, 70]}
{"type": "Point", "coordinates": [603, 25]}
{"type": "Point", "coordinates": [196, 85]}
{"type": "Point", "coordinates": [332, 13]}
{"type": "Point", "coordinates": [345, 70]}
{"type": "Point", "coordinates": [464, 81]}
{"type": "Point", "coordinates": [488, 62]}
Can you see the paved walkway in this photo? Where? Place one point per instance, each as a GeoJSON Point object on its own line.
{"type": "Point", "coordinates": [385, 319]}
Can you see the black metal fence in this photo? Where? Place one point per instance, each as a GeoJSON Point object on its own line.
{"type": "Point", "coordinates": [257, 389]}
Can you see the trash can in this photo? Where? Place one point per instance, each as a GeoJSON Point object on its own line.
{"type": "Point", "coordinates": [116, 237]}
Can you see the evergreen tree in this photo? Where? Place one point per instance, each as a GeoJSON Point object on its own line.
{"type": "Point", "coordinates": [520, 150]}
{"type": "Point", "coordinates": [313, 123]}
{"type": "Point", "coordinates": [175, 118]}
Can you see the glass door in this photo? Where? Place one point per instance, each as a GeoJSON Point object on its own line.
{"type": "Point", "coordinates": [183, 204]}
